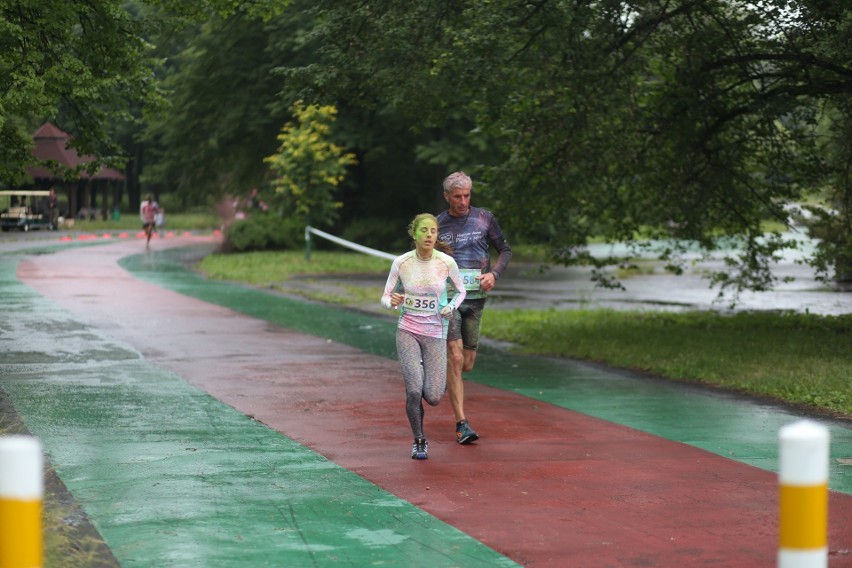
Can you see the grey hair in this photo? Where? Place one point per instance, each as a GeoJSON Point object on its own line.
{"type": "Point", "coordinates": [457, 180]}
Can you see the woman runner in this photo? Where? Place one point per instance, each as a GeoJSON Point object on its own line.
{"type": "Point", "coordinates": [147, 213]}
{"type": "Point", "coordinates": [421, 275]}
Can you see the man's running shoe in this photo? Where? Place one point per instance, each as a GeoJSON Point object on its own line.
{"type": "Point", "coordinates": [419, 449]}
{"type": "Point", "coordinates": [465, 434]}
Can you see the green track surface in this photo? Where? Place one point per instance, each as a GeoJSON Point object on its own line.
{"type": "Point", "coordinates": [728, 425]}
{"type": "Point", "coordinates": [172, 477]}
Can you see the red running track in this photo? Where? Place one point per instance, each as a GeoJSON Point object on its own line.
{"type": "Point", "coordinates": [545, 486]}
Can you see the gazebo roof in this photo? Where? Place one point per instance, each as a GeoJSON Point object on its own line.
{"type": "Point", "coordinates": [51, 143]}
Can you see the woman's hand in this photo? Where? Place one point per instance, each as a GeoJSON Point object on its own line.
{"type": "Point", "coordinates": [396, 299]}
{"type": "Point", "coordinates": [447, 311]}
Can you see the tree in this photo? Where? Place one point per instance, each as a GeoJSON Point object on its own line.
{"type": "Point", "coordinates": [308, 166]}
{"type": "Point", "coordinates": [85, 59]}
{"type": "Point", "coordinates": [88, 63]}
{"type": "Point", "coordinates": [230, 83]}
{"type": "Point", "coordinates": [689, 121]}
{"type": "Point", "coordinates": [226, 104]}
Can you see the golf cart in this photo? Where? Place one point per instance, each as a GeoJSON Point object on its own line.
{"type": "Point", "coordinates": [25, 210]}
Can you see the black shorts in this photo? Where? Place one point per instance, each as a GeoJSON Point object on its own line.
{"type": "Point", "coordinates": [465, 323]}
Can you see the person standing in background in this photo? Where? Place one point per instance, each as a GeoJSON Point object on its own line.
{"type": "Point", "coordinates": [160, 221]}
{"type": "Point", "coordinates": [53, 209]}
{"type": "Point", "coordinates": [470, 231]}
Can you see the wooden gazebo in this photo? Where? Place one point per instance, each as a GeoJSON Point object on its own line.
{"type": "Point", "coordinates": [92, 194]}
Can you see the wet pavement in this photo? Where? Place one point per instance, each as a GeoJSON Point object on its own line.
{"type": "Point", "coordinates": [571, 288]}
{"type": "Point", "coordinates": [206, 424]}
{"type": "Point", "coordinates": [532, 286]}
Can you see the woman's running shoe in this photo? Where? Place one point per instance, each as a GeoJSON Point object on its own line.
{"type": "Point", "coordinates": [419, 449]}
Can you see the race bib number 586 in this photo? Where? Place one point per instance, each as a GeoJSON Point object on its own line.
{"type": "Point", "coordinates": [469, 276]}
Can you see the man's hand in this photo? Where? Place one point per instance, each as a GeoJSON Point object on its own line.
{"type": "Point", "coordinates": [486, 281]}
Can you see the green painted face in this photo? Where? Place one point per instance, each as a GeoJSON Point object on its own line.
{"type": "Point", "coordinates": [425, 236]}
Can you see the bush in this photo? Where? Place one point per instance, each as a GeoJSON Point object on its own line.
{"type": "Point", "coordinates": [378, 234]}
{"type": "Point", "coordinates": [264, 231]}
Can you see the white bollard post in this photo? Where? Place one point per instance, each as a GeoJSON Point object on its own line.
{"type": "Point", "coordinates": [803, 497]}
{"type": "Point", "coordinates": [21, 496]}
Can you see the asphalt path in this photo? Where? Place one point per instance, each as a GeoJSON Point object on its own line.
{"type": "Point", "coordinates": [215, 425]}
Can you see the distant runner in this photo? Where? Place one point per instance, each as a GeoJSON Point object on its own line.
{"type": "Point", "coordinates": [470, 231]}
{"type": "Point", "coordinates": [421, 333]}
{"type": "Point", "coordinates": [148, 213]}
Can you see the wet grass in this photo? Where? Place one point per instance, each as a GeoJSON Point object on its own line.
{"type": "Point", "coordinates": [801, 359]}
{"type": "Point", "coordinates": [174, 222]}
{"type": "Point", "coordinates": [273, 267]}
{"type": "Point", "coordinates": [64, 544]}
{"type": "Point", "coordinates": [797, 358]}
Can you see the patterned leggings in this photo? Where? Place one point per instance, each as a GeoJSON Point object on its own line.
{"type": "Point", "coordinates": [427, 381]}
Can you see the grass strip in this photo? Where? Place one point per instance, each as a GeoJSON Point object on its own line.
{"type": "Point", "coordinates": [270, 268]}
{"type": "Point", "coordinates": [174, 222]}
{"type": "Point", "coordinates": [798, 358]}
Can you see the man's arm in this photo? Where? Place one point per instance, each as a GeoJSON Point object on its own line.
{"type": "Point", "coordinates": [499, 242]}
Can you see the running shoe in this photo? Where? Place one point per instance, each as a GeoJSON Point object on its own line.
{"type": "Point", "coordinates": [419, 449]}
{"type": "Point", "coordinates": [465, 434]}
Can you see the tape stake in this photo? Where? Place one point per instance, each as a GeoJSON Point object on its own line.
{"type": "Point", "coordinates": [803, 495]}
{"type": "Point", "coordinates": [21, 497]}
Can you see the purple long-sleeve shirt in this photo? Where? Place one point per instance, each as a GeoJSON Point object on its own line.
{"type": "Point", "coordinates": [471, 237]}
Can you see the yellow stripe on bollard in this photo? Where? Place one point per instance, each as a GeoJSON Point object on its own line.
{"type": "Point", "coordinates": [803, 495]}
{"type": "Point", "coordinates": [21, 496]}
{"type": "Point", "coordinates": [20, 527]}
{"type": "Point", "coordinates": [804, 516]}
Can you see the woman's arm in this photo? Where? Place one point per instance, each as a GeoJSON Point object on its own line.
{"type": "Point", "coordinates": [390, 299]}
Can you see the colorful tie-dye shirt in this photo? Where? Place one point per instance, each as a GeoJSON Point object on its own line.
{"type": "Point", "coordinates": [424, 283]}
{"type": "Point", "coordinates": [470, 237]}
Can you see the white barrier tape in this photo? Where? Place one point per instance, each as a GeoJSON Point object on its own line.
{"type": "Point", "coordinates": [349, 244]}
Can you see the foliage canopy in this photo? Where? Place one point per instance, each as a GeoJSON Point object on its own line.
{"type": "Point", "coordinates": [681, 120]}
{"type": "Point", "coordinates": [84, 59]}
{"type": "Point", "coordinates": [91, 64]}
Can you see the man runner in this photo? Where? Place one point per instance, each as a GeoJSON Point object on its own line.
{"type": "Point", "coordinates": [470, 231]}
